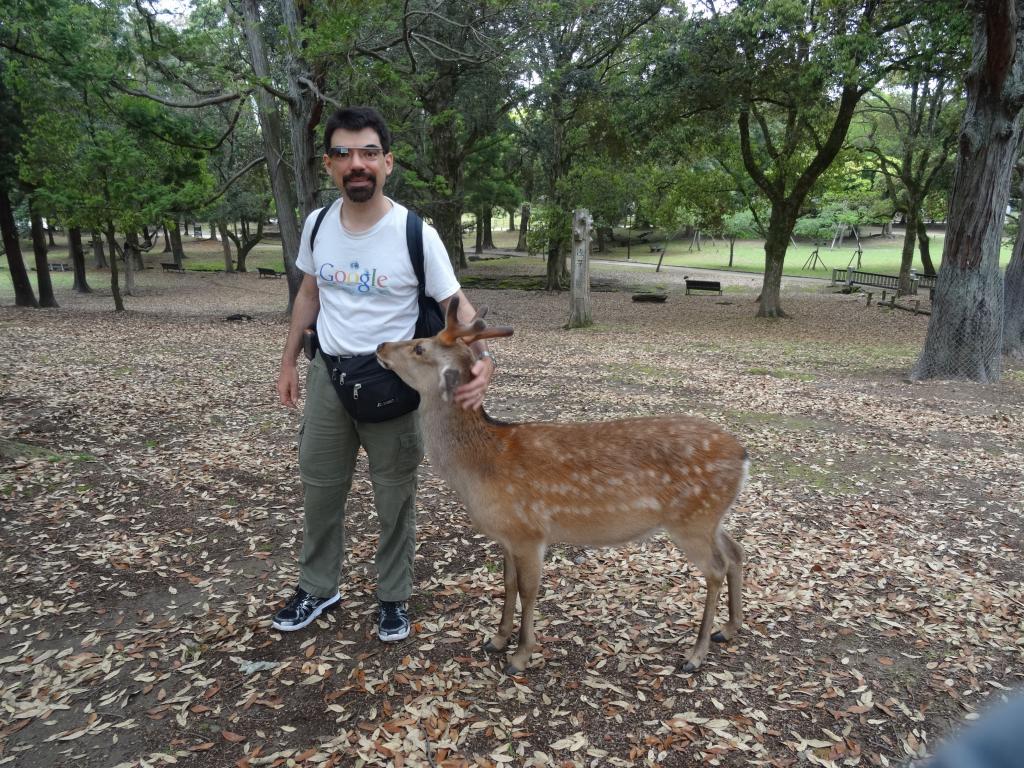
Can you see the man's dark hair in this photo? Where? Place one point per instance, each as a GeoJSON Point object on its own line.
{"type": "Point", "coordinates": [355, 119]}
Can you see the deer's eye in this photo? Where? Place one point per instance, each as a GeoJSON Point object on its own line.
{"type": "Point", "coordinates": [418, 349]}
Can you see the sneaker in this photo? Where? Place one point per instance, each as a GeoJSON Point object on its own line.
{"type": "Point", "coordinates": [394, 622]}
{"type": "Point", "coordinates": [301, 609]}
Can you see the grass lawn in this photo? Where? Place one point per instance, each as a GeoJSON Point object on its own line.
{"type": "Point", "coordinates": [879, 254]}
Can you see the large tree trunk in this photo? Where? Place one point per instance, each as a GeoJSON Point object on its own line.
{"type": "Point", "coordinates": [115, 285]}
{"type": "Point", "coordinates": [225, 242]}
{"type": "Point", "coordinates": [97, 250]}
{"type": "Point", "coordinates": [78, 259]}
{"type": "Point", "coordinates": [907, 257]}
{"type": "Point", "coordinates": [965, 332]}
{"type": "Point", "coordinates": [511, 220]}
{"type": "Point", "coordinates": [167, 239]}
{"type": "Point", "coordinates": [24, 296]}
{"type": "Point", "coordinates": [46, 297]}
{"type": "Point", "coordinates": [49, 236]}
{"type": "Point", "coordinates": [924, 247]}
{"type": "Point", "coordinates": [274, 139]}
{"type": "Point", "coordinates": [478, 244]}
{"type": "Point", "coordinates": [524, 225]}
{"type": "Point", "coordinates": [177, 250]}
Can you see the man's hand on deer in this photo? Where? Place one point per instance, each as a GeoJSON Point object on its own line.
{"type": "Point", "coordinates": [470, 396]}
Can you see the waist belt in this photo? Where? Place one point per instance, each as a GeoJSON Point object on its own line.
{"type": "Point", "coordinates": [335, 359]}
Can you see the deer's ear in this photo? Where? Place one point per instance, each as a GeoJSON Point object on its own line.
{"type": "Point", "coordinates": [450, 380]}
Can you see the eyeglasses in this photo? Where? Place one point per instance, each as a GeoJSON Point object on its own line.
{"type": "Point", "coordinates": [368, 154]}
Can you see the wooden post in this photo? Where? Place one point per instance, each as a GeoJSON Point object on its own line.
{"type": "Point", "coordinates": [579, 290]}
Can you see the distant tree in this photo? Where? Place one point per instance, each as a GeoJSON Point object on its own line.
{"type": "Point", "coordinates": [792, 73]}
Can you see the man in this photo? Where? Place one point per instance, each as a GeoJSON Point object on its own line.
{"type": "Point", "coordinates": [361, 289]}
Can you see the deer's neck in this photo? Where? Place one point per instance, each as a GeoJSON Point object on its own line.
{"type": "Point", "coordinates": [456, 437]}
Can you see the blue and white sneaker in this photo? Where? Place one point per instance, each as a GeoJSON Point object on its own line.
{"type": "Point", "coordinates": [301, 609]}
{"type": "Point", "coordinates": [393, 624]}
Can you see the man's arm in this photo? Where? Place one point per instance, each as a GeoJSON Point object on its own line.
{"type": "Point", "coordinates": [471, 394]}
{"type": "Point", "coordinates": [304, 312]}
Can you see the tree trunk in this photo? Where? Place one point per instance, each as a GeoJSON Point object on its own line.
{"type": "Point", "coordinates": [248, 242]}
{"type": "Point", "coordinates": [907, 257]}
{"type": "Point", "coordinates": [225, 243]}
{"type": "Point", "coordinates": [488, 234]}
{"type": "Point", "coordinates": [448, 222]}
{"type": "Point", "coordinates": [511, 220]}
{"type": "Point", "coordinates": [97, 250]}
{"type": "Point", "coordinates": [49, 236]}
{"type": "Point", "coordinates": [780, 232]}
{"type": "Point", "coordinates": [304, 108]}
{"type": "Point", "coordinates": [478, 246]}
{"type": "Point", "coordinates": [732, 249]}
{"type": "Point", "coordinates": [115, 285]}
{"type": "Point", "coordinates": [78, 259]}
{"type": "Point", "coordinates": [965, 331]}
{"type": "Point", "coordinates": [24, 296]}
{"type": "Point", "coordinates": [1013, 301]}
{"type": "Point", "coordinates": [557, 271]}
{"type": "Point", "coordinates": [273, 137]}
{"type": "Point", "coordinates": [924, 247]}
{"type": "Point", "coordinates": [167, 240]}
{"type": "Point", "coordinates": [524, 223]}
{"type": "Point", "coordinates": [46, 297]}
{"type": "Point", "coordinates": [131, 249]}
{"type": "Point", "coordinates": [176, 248]}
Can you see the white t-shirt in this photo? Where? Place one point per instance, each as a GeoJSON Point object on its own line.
{"type": "Point", "coordinates": [367, 284]}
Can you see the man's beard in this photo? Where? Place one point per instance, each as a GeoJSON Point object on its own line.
{"type": "Point", "coordinates": [360, 194]}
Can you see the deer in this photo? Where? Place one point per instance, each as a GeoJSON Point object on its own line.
{"type": "Point", "coordinates": [605, 483]}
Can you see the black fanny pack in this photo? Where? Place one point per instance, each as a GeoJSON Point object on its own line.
{"type": "Point", "coordinates": [369, 392]}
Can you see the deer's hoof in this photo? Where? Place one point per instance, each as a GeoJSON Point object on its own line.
{"type": "Point", "coordinates": [491, 647]}
{"type": "Point", "coordinates": [720, 637]}
{"type": "Point", "coordinates": [512, 669]}
{"type": "Point", "coordinates": [689, 667]}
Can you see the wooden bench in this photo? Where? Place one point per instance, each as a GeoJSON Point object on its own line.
{"type": "Point", "coordinates": [59, 267]}
{"type": "Point", "coordinates": [703, 285]}
{"type": "Point", "coordinates": [658, 248]}
{"type": "Point", "coordinates": [852, 277]}
{"type": "Point", "coordinates": [170, 266]}
{"type": "Point", "coordinates": [265, 272]}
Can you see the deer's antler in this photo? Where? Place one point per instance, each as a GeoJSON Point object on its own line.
{"type": "Point", "coordinates": [469, 332]}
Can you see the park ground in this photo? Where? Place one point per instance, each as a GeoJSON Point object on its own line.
{"type": "Point", "coordinates": [151, 521]}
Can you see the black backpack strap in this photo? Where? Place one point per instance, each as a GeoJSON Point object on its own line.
{"type": "Point", "coordinates": [316, 225]}
{"type": "Point", "coordinates": [414, 242]}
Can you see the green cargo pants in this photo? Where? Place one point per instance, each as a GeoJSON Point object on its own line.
{"type": "Point", "coordinates": [329, 441]}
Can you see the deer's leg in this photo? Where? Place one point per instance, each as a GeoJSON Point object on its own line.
{"type": "Point", "coordinates": [701, 546]}
{"type": "Point", "coordinates": [528, 570]}
{"type": "Point", "coordinates": [508, 611]}
{"type": "Point", "coordinates": [734, 574]}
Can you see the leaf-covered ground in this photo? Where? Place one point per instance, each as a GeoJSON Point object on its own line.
{"type": "Point", "coordinates": [151, 521]}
